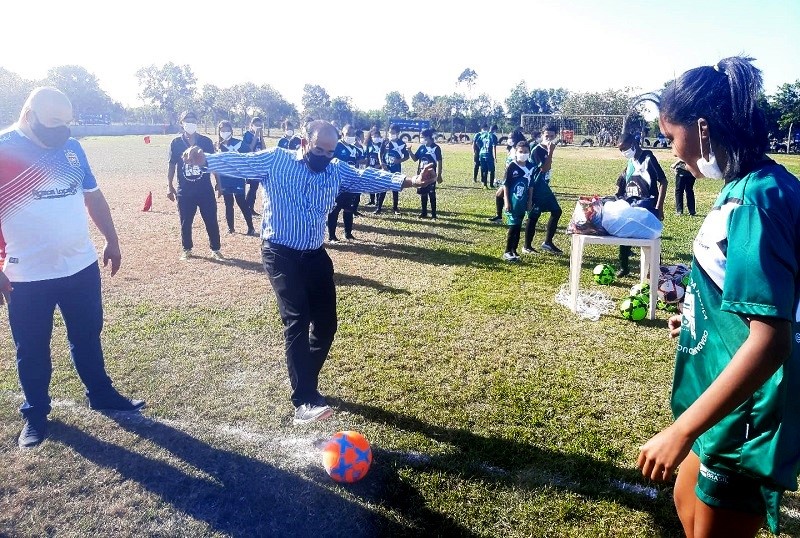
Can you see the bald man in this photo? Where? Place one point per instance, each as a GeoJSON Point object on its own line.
{"type": "Point", "coordinates": [299, 191]}
{"type": "Point", "coordinates": [46, 191]}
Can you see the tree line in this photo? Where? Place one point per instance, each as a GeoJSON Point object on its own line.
{"type": "Point", "coordinates": [168, 89]}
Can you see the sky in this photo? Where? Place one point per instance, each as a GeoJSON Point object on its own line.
{"type": "Point", "coordinates": [363, 50]}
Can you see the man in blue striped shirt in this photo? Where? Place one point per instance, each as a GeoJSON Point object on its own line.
{"type": "Point", "coordinates": [300, 189]}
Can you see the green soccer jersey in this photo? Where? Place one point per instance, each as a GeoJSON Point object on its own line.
{"type": "Point", "coordinates": [746, 263]}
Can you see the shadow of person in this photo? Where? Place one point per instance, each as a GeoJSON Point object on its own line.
{"type": "Point", "coordinates": [501, 460]}
{"type": "Point", "coordinates": [234, 494]}
{"type": "Point", "coordinates": [354, 280]}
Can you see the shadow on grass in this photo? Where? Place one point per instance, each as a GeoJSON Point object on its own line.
{"type": "Point", "coordinates": [407, 233]}
{"type": "Point", "coordinates": [433, 256]}
{"type": "Point", "coordinates": [355, 280]}
{"type": "Point", "coordinates": [570, 472]}
{"type": "Point", "coordinates": [242, 496]}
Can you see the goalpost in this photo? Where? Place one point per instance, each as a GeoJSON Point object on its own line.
{"type": "Point", "coordinates": [587, 130]}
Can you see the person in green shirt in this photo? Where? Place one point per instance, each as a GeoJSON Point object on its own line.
{"type": "Point", "coordinates": [736, 434]}
{"type": "Point", "coordinates": [517, 197]}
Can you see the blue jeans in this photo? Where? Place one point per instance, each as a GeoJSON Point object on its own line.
{"type": "Point", "coordinates": [30, 314]}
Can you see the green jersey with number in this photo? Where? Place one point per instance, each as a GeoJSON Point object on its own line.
{"type": "Point", "coordinates": [746, 263]}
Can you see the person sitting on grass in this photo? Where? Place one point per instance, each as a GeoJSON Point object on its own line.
{"type": "Point", "coordinates": [642, 184]}
{"type": "Point", "coordinates": [543, 198]}
{"type": "Point", "coordinates": [517, 197]}
{"type": "Point", "coordinates": [428, 153]}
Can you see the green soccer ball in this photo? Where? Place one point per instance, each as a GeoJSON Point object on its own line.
{"type": "Point", "coordinates": [642, 291]}
{"type": "Point", "coordinates": [604, 274]}
{"type": "Point", "coordinates": [686, 279]}
{"type": "Point", "coordinates": [633, 309]}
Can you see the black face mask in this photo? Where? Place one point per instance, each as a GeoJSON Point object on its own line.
{"type": "Point", "coordinates": [317, 163]}
{"type": "Point", "coordinates": [52, 137]}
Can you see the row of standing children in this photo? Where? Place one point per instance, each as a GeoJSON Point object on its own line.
{"type": "Point", "coordinates": [386, 154]}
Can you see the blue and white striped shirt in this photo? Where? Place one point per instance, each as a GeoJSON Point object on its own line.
{"type": "Point", "coordinates": [296, 200]}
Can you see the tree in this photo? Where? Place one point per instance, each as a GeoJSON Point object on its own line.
{"type": "Point", "coordinates": [421, 104]}
{"type": "Point", "coordinates": [341, 111]}
{"type": "Point", "coordinates": [316, 102]}
{"type": "Point", "coordinates": [467, 78]}
{"type": "Point", "coordinates": [82, 88]}
{"type": "Point", "coordinates": [13, 92]}
{"type": "Point", "coordinates": [787, 101]}
{"type": "Point", "coordinates": [168, 87]}
{"type": "Point", "coordinates": [396, 106]}
{"type": "Point", "coordinates": [519, 102]}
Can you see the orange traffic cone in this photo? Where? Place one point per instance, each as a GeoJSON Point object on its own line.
{"type": "Point", "coordinates": [148, 202]}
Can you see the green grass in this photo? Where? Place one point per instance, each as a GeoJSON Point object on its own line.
{"type": "Point", "coordinates": [491, 409]}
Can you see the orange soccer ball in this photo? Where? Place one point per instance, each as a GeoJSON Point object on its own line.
{"type": "Point", "coordinates": [347, 457]}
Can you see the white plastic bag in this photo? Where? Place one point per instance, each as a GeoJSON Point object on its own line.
{"type": "Point", "coordinates": [622, 220]}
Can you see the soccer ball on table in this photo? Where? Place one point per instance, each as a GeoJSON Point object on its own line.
{"type": "Point", "coordinates": [347, 456]}
{"type": "Point", "coordinates": [604, 274]}
{"type": "Point", "coordinates": [633, 308]}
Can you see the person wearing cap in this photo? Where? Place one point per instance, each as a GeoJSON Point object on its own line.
{"type": "Point", "coordinates": [292, 248]}
{"type": "Point", "coordinates": [194, 187]}
{"type": "Point", "coordinates": [49, 259]}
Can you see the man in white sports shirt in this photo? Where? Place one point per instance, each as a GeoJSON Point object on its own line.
{"type": "Point", "coordinates": [46, 190]}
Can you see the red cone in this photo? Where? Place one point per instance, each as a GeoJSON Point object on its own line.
{"type": "Point", "coordinates": [148, 202]}
{"type": "Point", "coordinates": [146, 139]}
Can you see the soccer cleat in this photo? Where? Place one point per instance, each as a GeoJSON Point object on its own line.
{"type": "Point", "coordinates": [333, 239]}
{"type": "Point", "coordinates": [497, 218]}
{"type": "Point", "coordinates": [217, 255]}
{"type": "Point", "coordinates": [528, 250]}
{"type": "Point", "coordinates": [310, 413]}
{"type": "Point", "coordinates": [33, 433]}
{"type": "Point", "coordinates": [187, 253]}
{"type": "Point", "coordinates": [114, 401]}
{"type": "Point", "coordinates": [551, 248]}
{"type": "Point", "coordinates": [396, 212]}
{"type": "Point", "coordinates": [350, 237]}
{"type": "Point", "coordinates": [509, 257]}
{"type": "Point", "coordinates": [251, 232]}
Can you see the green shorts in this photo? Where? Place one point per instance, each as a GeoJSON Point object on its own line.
{"type": "Point", "coordinates": [722, 488]}
{"type": "Point", "coordinates": [544, 201]}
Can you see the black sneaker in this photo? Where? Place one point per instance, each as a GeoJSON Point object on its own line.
{"type": "Point", "coordinates": [423, 215]}
{"type": "Point", "coordinates": [495, 219]}
{"type": "Point", "coordinates": [349, 236]}
{"type": "Point", "coordinates": [115, 401]}
{"type": "Point", "coordinates": [551, 248]}
{"type": "Point", "coordinates": [254, 214]}
{"type": "Point", "coordinates": [251, 232]}
{"type": "Point", "coordinates": [33, 433]}
{"type": "Point", "coordinates": [333, 239]}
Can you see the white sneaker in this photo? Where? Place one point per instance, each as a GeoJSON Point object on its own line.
{"type": "Point", "coordinates": [309, 413]}
{"type": "Point", "coordinates": [186, 254]}
{"type": "Point", "coordinates": [217, 255]}
{"type": "Point", "coordinates": [509, 257]}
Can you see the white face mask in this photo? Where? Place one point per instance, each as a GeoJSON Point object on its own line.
{"type": "Point", "coordinates": [628, 153]}
{"type": "Point", "coordinates": [377, 140]}
{"type": "Point", "coordinates": [523, 157]}
{"type": "Point", "coordinates": [190, 128]}
{"type": "Point", "coordinates": [290, 132]}
{"type": "Point", "coordinates": [350, 140]}
{"type": "Point", "coordinates": [709, 168]}
{"type": "Point", "coordinates": [225, 134]}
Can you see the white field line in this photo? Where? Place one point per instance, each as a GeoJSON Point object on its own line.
{"type": "Point", "coordinates": [308, 448]}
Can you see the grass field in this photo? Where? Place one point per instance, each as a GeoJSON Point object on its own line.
{"type": "Point", "coordinates": [492, 410]}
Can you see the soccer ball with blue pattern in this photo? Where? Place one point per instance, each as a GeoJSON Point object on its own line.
{"type": "Point", "coordinates": [604, 274]}
{"type": "Point", "coordinates": [347, 456]}
{"type": "Point", "coordinates": [633, 309]}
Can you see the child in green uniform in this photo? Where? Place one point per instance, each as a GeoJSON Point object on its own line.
{"type": "Point", "coordinates": [736, 434]}
{"type": "Point", "coordinates": [517, 197]}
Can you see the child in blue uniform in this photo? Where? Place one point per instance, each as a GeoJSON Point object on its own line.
{"type": "Point", "coordinates": [429, 153]}
{"type": "Point", "coordinates": [372, 151]}
{"type": "Point", "coordinates": [232, 188]}
{"type": "Point", "coordinates": [393, 154]}
{"type": "Point", "coordinates": [289, 140]}
{"type": "Point", "coordinates": [347, 151]}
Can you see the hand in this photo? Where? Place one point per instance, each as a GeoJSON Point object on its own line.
{"type": "Point", "coordinates": [425, 177]}
{"type": "Point", "coordinates": [194, 156]}
{"type": "Point", "coordinates": [171, 193]}
{"type": "Point", "coordinates": [5, 289]}
{"type": "Point", "coordinates": [507, 207]}
{"type": "Point", "coordinates": [674, 324]}
{"type": "Point", "coordinates": [112, 253]}
{"type": "Point", "coordinates": [659, 456]}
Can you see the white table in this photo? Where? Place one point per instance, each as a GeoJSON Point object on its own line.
{"type": "Point", "coordinates": [650, 258]}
